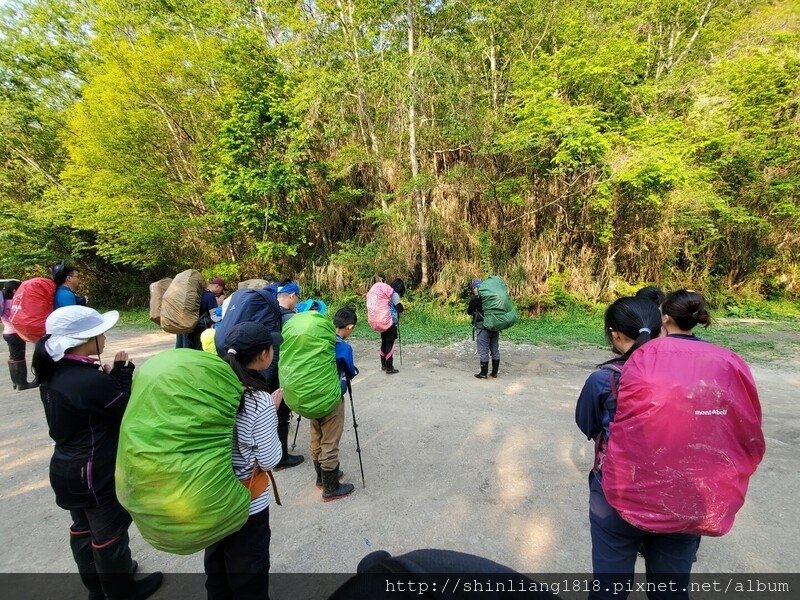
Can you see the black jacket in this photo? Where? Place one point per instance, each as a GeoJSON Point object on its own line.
{"type": "Point", "coordinates": [475, 309]}
{"type": "Point", "coordinates": [84, 408]}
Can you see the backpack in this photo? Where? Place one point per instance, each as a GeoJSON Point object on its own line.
{"type": "Point", "coordinates": [259, 306]}
{"type": "Point", "coordinates": [685, 439]}
{"type": "Point", "coordinates": [157, 291]}
{"type": "Point", "coordinates": [180, 305]}
{"type": "Point", "coordinates": [252, 284]}
{"type": "Point", "coordinates": [379, 300]}
{"type": "Point", "coordinates": [173, 470]}
{"type": "Point", "coordinates": [30, 307]}
{"type": "Point", "coordinates": [309, 375]}
{"type": "Point", "coordinates": [498, 309]}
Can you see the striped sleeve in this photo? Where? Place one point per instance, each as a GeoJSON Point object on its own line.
{"type": "Point", "coordinates": [256, 442]}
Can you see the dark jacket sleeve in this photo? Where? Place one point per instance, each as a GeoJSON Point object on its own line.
{"type": "Point", "coordinates": [108, 394]}
{"type": "Point", "coordinates": [475, 306]}
{"type": "Point", "coordinates": [589, 410]}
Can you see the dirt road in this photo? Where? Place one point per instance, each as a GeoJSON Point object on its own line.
{"type": "Point", "coordinates": [496, 468]}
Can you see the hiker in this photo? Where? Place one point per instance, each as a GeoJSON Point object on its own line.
{"type": "Point", "coordinates": [288, 294]}
{"type": "Point", "coordinates": [84, 402]}
{"type": "Point", "coordinates": [328, 474]}
{"type": "Point", "coordinates": [17, 366]}
{"type": "Point", "coordinates": [238, 565]}
{"type": "Point", "coordinates": [664, 380]}
{"type": "Point", "coordinates": [312, 389]}
{"type": "Point", "coordinates": [487, 342]}
{"type": "Point", "coordinates": [383, 315]}
{"type": "Point", "coordinates": [66, 280]}
{"type": "Point", "coordinates": [212, 297]}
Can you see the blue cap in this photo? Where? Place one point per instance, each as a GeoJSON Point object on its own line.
{"type": "Point", "coordinates": [289, 288]}
{"type": "Point", "coordinates": [475, 283]}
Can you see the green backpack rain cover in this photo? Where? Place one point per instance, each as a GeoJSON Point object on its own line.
{"type": "Point", "coordinates": [307, 365]}
{"type": "Point", "coordinates": [498, 310]}
{"type": "Point", "coordinates": [174, 473]}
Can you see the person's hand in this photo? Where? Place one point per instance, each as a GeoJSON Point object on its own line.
{"type": "Point", "coordinates": [220, 299]}
{"type": "Point", "coordinates": [277, 397]}
{"type": "Point", "coordinates": [121, 356]}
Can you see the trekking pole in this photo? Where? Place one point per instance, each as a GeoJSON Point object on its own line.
{"type": "Point", "coordinates": [296, 429]}
{"type": "Point", "coordinates": [355, 428]}
{"type": "Point", "coordinates": [399, 341]}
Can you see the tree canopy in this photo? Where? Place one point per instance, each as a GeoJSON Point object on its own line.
{"type": "Point", "coordinates": [574, 147]}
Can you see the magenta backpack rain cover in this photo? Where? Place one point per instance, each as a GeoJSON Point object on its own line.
{"type": "Point", "coordinates": [685, 439]}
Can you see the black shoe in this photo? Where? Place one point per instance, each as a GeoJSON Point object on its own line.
{"type": "Point", "coordinates": [390, 370]}
{"type": "Point", "coordinates": [484, 370]}
{"type": "Point", "coordinates": [495, 367]}
{"type": "Point", "coordinates": [332, 489]}
{"type": "Point", "coordinates": [19, 376]}
{"type": "Point", "coordinates": [288, 461]}
{"type": "Point", "coordinates": [383, 364]}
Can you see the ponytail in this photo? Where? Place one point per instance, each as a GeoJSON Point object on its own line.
{"type": "Point", "coordinates": [637, 318]}
{"type": "Point", "coordinates": [687, 309]}
{"type": "Point", "coordinates": [42, 365]}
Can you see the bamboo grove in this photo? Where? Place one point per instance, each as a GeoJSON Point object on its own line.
{"type": "Point", "coordinates": [575, 148]}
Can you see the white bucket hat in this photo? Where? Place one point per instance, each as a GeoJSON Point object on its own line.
{"type": "Point", "coordinates": [71, 326]}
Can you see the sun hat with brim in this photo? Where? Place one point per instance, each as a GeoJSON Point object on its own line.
{"type": "Point", "coordinates": [71, 326]}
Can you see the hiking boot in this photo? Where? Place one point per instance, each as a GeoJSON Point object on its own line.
{"type": "Point", "coordinates": [495, 367]}
{"type": "Point", "coordinates": [331, 488]}
{"type": "Point", "coordinates": [390, 370]}
{"type": "Point", "coordinates": [318, 469]}
{"type": "Point", "coordinates": [484, 370]}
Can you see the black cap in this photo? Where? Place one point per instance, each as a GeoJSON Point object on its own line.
{"type": "Point", "coordinates": [250, 337]}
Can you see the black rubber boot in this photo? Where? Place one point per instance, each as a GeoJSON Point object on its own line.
{"type": "Point", "coordinates": [383, 363]}
{"type": "Point", "coordinates": [115, 569]}
{"type": "Point", "coordinates": [318, 469]}
{"type": "Point", "coordinates": [81, 544]}
{"type": "Point", "coordinates": [331, 488]}
{"type": "Point", "coordinates": [390, 370]}
{"type": "Point", "coordinates": [288, 460]}
{"type": "Point", "coordinates": [19, 376]}
{"type": "Point", "coordinates": [495, 367]}
{"type": "Point", "coordinates": [484, 370]}
{"type": "Point", "coordinates": [12, 372]}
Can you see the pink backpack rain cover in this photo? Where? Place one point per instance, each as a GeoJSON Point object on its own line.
{"type": "Point", "coordinates": [379, 298]}
{"type": "Point", "coordinates": [685, 439]}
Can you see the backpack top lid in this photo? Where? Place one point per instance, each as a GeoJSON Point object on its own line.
{"type": "Point", "coordinates": [685, 439]}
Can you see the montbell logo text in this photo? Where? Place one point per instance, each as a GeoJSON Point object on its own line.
{"type": "Point", "coordinates": [715, 411]}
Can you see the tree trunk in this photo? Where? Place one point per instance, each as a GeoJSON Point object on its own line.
{"type": "Point", "coordinates": [419, 201]}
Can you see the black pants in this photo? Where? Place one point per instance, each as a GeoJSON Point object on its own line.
{"type": "Point", "coordinates": [106, 522]}
{"type": "Point", "coordinates": [16, 347]}
{"type": "Point", "coordinates": [387, 342]}
{"type": "Point", "coordinates": [238, 566]}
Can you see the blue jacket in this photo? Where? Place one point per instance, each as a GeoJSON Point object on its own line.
{"type": "Point", "coordinates": [344, 362]}
{"type": "Point", "coordinates": [66, 297]}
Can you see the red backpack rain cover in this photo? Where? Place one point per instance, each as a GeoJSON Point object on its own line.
{"type": "Point", "coordinates": [379, 298]}
{"type": "Point", "coordinates": [685, 439]}
{"type": "Point", "coordinates": [33, 302]}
